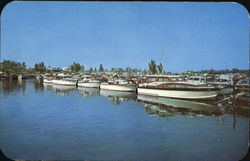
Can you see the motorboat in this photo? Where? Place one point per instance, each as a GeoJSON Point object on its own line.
{"type": "Point", "coordinates": [48, 78]}
{"type": "Point", "coordinates": [88, 81]}
{"type": "Point", "coordinates": [119, 85]}
{"type": "Point", "coordinates": [181, 90]}
{"type": "Point", "coordinates": [66, 80]}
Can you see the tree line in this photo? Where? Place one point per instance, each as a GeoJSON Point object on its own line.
{"type": "Point", "coordinates": [76, 67]}
{"type": "Point", "coordinates": [8, 67]}
{"type": "Point", "coordinates": [13, 67]}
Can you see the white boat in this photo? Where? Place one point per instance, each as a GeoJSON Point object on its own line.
{"type": "Point", "coordinates": [87, 81]}
{"type": "Point", "coordinates": [47, 80]}
{"type": "Point", "coordinates": [181, 90]}
{"type": "Point", "coordinates": [65, 81]}
{"type": "Point", "coordinates": [63, 87]}
{"type": "Point", "coordinates": [159, 79]}
{"type": "Point", "coordinates": [225, 85]}
{"type": "Point", "coordinates": [119, 85]}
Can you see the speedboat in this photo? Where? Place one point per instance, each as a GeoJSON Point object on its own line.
{"type": "Point", "coordinates": [47, 80]}
{"type": "Point", "coordinates": [64, 81]}
{"type": "Point", "coordinates": [119, 85]}
{"type": "Point", "coordinates": [87, 81]}
{"type": "Point", "coordinates": [181, 90]}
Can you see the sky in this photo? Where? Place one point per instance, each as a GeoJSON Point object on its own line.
{"type": "Point", "coordinates": [181, 35]}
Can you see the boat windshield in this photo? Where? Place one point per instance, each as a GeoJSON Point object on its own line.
{"type": "Point", "coordinates": [163, 79]}
{"type": "Point", "coordinates": [151, 79]}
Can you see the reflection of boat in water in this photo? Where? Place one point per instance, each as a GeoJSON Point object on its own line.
{"type": "Point", "coordinates": [63, 90]}
{"type": "Point", "coordinates": [117, 97]}
{"type": "Point", "coordinates": [88, 92]}
{"type": "Point", "coordinates": [168, 106]}
{"type": "Point", "coordinates": [48, 86]}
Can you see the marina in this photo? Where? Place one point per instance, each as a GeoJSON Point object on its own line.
{"type": "Point", "coordinates": [110, 121]}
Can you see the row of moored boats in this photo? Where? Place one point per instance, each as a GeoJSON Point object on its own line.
{"type": "Point", "coordinates": [171, 86]}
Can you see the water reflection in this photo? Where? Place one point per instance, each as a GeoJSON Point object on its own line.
{"type": "Point", "coordinates": [48, 86]}
{"type": "Point", "coordinates": [63, 90]}
{"type": "Point", "coordinates": [235, 110]}
{"type": "Point", "coordinates": [38, 85]}
{"type": "Point", "coordinates": [7, 87]}
{"type": "Point", "coordinates": [117, 97]}
{"type": "Point", "coordinates": [235, 106]}
{"type": "Point", "coordinates": [88, 92]}
{"type": "Point", "coordinates": [166, 107]}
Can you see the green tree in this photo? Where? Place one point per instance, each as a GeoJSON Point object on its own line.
{"type": "Point", "coordinates": [12, 67]}
{"type": "Point", "coordinates": [101, 69]}
{"type": "Point", "coordinates": [235, 70]}
{"type": "Point", "coordinates": [152, 67]}
{"type": "Point", "coordinates": [23, 66]}
{"type": "Point", "coordinates": [76, 67]}
{"type": "Point", "coordinates": [40, 67]}
{"type": "Point", "coordinates": [160, 68]}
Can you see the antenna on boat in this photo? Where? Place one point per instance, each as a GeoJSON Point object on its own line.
{"type": "Point", "coordinates": [162, 51]}
{"type": "Point", "coordinates": [162, 55]}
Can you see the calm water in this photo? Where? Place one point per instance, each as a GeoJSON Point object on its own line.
{"type": "Point", "coordinates": [55, 122]}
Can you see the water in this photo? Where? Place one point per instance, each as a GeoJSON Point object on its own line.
{"type": "Point", "coordinates": [48, 122]}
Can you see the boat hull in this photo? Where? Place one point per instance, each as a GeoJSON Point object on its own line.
{"type": "Point", "coordinates": [47, 80]}
{"type": "Point", "coordinates": [89, 84]}
{"type": "Point", "coordinates": [118, 87]}
{"type": "Point", "coordinates": [64, 82]}
{"type": "Point", "coordinates": [180, 94]}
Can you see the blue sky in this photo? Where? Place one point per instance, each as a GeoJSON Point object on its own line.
{"type": "Point", "coordinates": [127, 34]}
